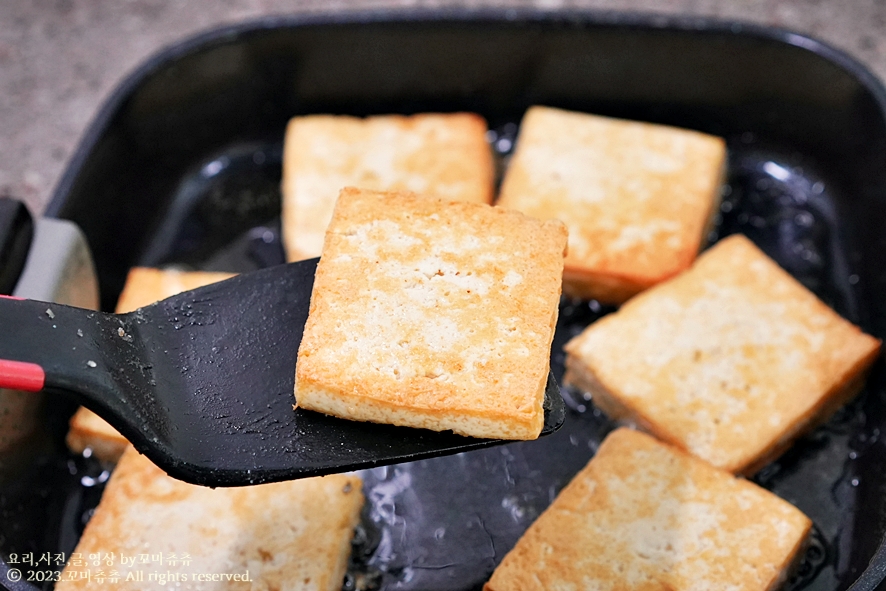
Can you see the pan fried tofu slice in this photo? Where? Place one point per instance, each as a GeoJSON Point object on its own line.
{"type": "Point", "coordinates": [643, 515]}
{"type": "Point", "coordinates": [441, 154]}
{"type": "Point", "coordinates": [637, 197]}
{"type": "Point", "coordinates": [432, 314]}
{"type": "Point", "coordinates": [730, 361]}
{"type": "Point", "coordinates": [285, 535]}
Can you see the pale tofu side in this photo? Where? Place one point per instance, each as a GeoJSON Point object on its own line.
{"type": "Point", "coordinates": [87, 430]}
{"type": "Point", "coordinates": [143, 287]}
{"type": "Point", "coordinates": [637, 197]}
{"type": "Point", "coordinates": [441, 154]}
{"type": "Point", "coordinates": [292, 535]}
{"type": "Point", "coordinates": [433, 314]}
{"type": "Point", "coordinates": [731, 361]}
{"type": "Point", "coordinates": [643, 515]}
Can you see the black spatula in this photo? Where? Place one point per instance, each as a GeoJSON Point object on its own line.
{"type": "Point", "coordinates": [202, 382]}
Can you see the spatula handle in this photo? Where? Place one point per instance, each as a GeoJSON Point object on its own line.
{"type": "Point", "coordinates": [35, 337]}
{"type": "Point", "coordinates": [51, 346]}
{"type": "Point", "coordinates": [93, 357]}
{"type": "Point", "coordinates": [20, 375]}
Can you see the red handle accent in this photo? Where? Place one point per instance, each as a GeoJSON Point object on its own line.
{"type": "Point", "coordinates": [6, 297]}
{"type": "Point", "coordinates": [20, 375]}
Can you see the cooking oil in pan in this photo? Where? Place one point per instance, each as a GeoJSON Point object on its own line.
{"type": "Point", "coordinates": [445, 523]}
{"type": "Point", "coordinates": [459, 516]}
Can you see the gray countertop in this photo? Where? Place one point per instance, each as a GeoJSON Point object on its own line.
{"type": "Point", "coordinates": [60, 59]}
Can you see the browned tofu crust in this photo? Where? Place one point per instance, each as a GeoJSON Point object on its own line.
{"type": "Point", "coordinates": [434, 314]}
{"type": "Point", "coordinates": [637, 197]}
{"type": "Point", "coordinates": [643, 515]}
{"type": "Point", "coordinates": [145, 286]}
{"type": "Point", "coordinates": [287, 535]}
{"type": "Point", "coordinates": [440, 154]}
{"type": "Point", "coordinates": [731, 361]}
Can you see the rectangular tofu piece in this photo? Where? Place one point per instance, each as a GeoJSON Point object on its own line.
{"type": "Point", "coordinates": [433, 314]}
{"type": "Point", "coordinates": [286, 535]}
{"type": "Point", "coordinates": [143, 287]}
{"type": "Point", "coordinates": [441, 154]}
{"type": "Point", "coordinates": [637, 198]}
{"type": "Point", "coordinates": [643, 515]}
{"type": "Point", "coordinates": [731, 361]}
{"type": "Point", "coordinates": [88, 431]}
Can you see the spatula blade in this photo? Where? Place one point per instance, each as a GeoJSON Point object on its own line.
{"type": "Point", "coordinates": [236, 343]}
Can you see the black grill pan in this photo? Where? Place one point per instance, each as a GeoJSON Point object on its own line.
{"type": "Point", "coordinates": [182, 166]}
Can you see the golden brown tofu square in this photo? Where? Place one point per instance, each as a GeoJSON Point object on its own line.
{"type": "Point", "coordinates": [637, 197]}
{"type": "Point", "coordinates": [152, 531]}
{"type": "Point", "coordinates": [644, 515]}
{"type": "Point", "coordinates": [730, 361]}
{"type": "Point", "coordinates": [433, 314]}
{"type": "Point", "coordinates": [441, 154]}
